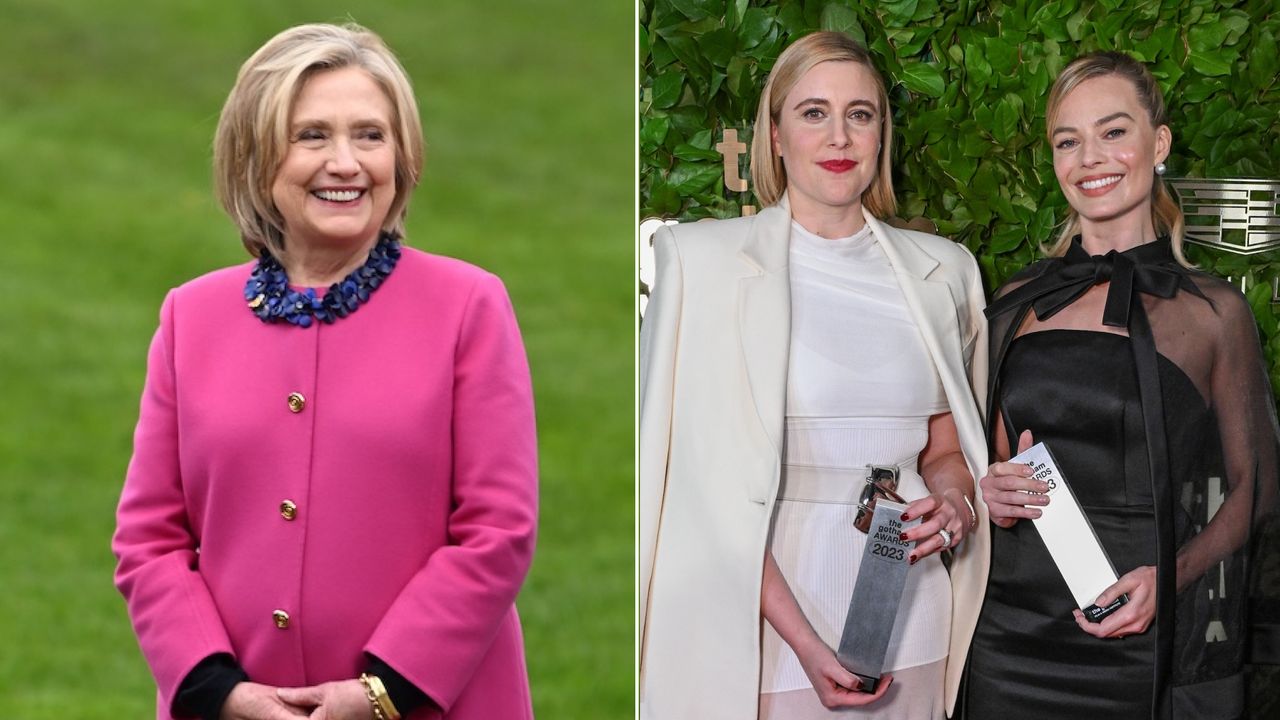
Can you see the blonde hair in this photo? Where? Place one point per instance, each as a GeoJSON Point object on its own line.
{"type": "Point", "coordinates": [253, 131]}
{"type": "Point", "coordinates": [1166, 214]}
{"type": "Point", "coordinates": [768, 176]}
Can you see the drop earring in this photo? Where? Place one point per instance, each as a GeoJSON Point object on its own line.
{"type": "Point", "coordinates": [1160, 168]}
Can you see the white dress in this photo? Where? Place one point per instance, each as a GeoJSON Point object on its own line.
{"type": "Point", "coordinates": [860, 390]}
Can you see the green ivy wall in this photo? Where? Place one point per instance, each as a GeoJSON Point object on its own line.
{"type": "Point", "coordinates": [968, 82]}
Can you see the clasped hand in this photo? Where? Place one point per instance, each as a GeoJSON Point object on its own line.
{"type": "Point", "coordinates": [342, 700]}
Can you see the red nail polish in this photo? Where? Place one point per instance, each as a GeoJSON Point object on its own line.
{"type": "Point", "coordinates": [902, 537]}
{"type": "Point", "coordinates": [904, 516]}
{"type": "Point", "coordinates": [911, 559]}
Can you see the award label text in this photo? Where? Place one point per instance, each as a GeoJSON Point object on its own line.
{"type": "Point", "coordinates": [887, 542]}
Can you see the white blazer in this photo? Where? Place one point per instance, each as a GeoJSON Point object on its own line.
{"type": "Point", "coordinates": [713, 379]}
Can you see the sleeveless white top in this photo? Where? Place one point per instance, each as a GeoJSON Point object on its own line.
{"type": "Point", "coordinates": [860, 390]}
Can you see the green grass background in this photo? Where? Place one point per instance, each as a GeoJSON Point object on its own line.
{"type": "Point", "coordinates": [107, 111]}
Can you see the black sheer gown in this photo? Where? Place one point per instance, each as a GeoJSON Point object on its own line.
{"type": "Point", "coordinates": [1147, 382]}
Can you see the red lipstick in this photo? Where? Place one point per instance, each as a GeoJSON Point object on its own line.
{"type": "Point", "coordinates": [838, 166]}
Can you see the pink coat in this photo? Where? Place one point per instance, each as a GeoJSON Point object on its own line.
{"type": "Point", "coordinates": [411, 465]}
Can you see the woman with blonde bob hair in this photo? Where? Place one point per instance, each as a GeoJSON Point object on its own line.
{"type": "Point", "coordinates": [1146, 381]}
{"type": "Point", "coordinates": [782, 355]}
{"type": "Point", "coordinates": [333, 493]}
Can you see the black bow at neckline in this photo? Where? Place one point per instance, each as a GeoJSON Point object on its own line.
{"type": "Point", "coordinates": [1147, 268]}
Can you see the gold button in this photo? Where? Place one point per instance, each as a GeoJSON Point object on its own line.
{"type": "Point", "coordinates": [282, 619]}
{"type": "Point", "coordinates": [296, 402]}
{"type": "Point", "coordinates": [288, 510]}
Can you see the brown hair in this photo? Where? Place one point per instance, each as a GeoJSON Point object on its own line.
{"type": "Point", "coordinates": [1166, 214]}
{"type": "Point", "coordinates": [768, 176]}
{"type": "Point", "coordinates": [252, 137]}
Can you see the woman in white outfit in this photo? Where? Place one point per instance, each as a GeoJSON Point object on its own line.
{"type": "Point", "coordinates": [781, 355]}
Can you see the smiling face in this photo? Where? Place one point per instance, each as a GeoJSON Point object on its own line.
{"type": "Point", "coordinates": [1104, 153]}
{"type": "Point", "coordinates": [828, 136]}
{"type": "Point", "coordinates": [337, 180]}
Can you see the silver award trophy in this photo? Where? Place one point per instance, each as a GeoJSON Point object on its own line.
{"type": "Point", "coordinates": [876, 594]}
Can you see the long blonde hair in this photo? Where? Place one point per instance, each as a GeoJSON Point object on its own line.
{"type": "Point", "coordinates": [768, 176]}
{"type": "Point", "coordinates": [1166, 214]}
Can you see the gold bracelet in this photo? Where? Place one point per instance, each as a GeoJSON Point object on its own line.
{"type": "Point", "coordinates": [367, 681]}
{"type": "Point", "coordinates": [383, 708]}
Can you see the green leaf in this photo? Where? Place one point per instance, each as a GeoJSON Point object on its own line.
{"type": "Point", "coordinates": [739, 77]}
{"type": "Point", "coordinates": [665, 19]}
{"type": "Point", "coordinates": [691, 177]}
{"type": "Point", "coordinates": [1208, 34]}
{"type": "Point", "coordinates": [719, 46]}
{"type": "Point", "coordinates": [923, 78]}
{"type": "Point", "coordinates": [654, 131]}
{"type": "Point", "coordinates": [686, 50]}
{"type": "Point", "coordinates": [717, 80]}
{"type": "Point", "coordinates": [733, 13]}
{"type": "Point", "coordinates": [1259, 296]}
{"type": "Point", "coordinates": [701, 139]}
{"type": "Point", "coordinates": [1264, 61]}
{"type": "Point", "coordinates": [1214, 63]}
{"type": "Point", "coordinates": [698, 9]}
{"type": "Point", "coordinates": [925, 9]}
{"type": "Point", "coordinates": [696, 28]}
{"type": "Point", "coordinates": [1219, 153]}
{"type": "Point", "coordinates": [792, 20]}
{"type": "Point", "coordinates": [910, 41]}
{"type": "Point", "coordinates": [1075, 26]}
{"type": "Point", "coordinates": [1200, 89]}
{"type": "Point", "coordinates": [1167, 71]}
{"type": "Point", "coordinates": [644, 44]}
{"type": "Point", "coordinates": [976, 67]}
{"type": "Point", "coordinates": [686, 151]}
{"type": "Point", "coordinates": [756, 24]}
{"type": "Point", "coordinates": [972, 144]}
{"type": "Point", "coordinates": [1002, 55]}
{"type": "Point", "coordinates": [1220, 123]}
{"type": "Point", "coordinates": [688, 119]}
{"type": "Point", "coordinates": [661, 53]}
{"type": "Point", "coordinates": [666, 89]}
{"type": "Point", "coordinates": [1158, 42]}
{"type": "Point", "coordinates": [664, 201]}
{"type": "Point", "coordinates": [1237, 24]}
{"type": "Point", "coordinates": [898, 12]}
{"type": "Point", "coordinates": [768, 50]}
{"type": "Point", "coordinates": [932, 124]}
{"type": "Point", "coordinates": [1007, 239]}
{"type": "Point", "coordinates": [843, 19]}
{"type": "Point", "coordinates": [1038, 83]}
{"type": "Point", "coordinates": [1006, 125]}
{"type": "Point", "coordinates": [985, 183]}
{"type": "Point", "coordinates": [961, 169]}
{"type": "Point", "coordinates": [1041, 227]}
{"type": "Point", "coordinates": [1111, 31]}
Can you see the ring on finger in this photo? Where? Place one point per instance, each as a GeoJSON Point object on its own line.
{"type": "Point", "coordinates": [946, 536]}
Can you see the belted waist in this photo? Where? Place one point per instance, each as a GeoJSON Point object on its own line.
{"type": "Point", "coordinates": [835, 485]}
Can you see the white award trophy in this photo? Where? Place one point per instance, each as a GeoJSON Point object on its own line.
{"type": "Point", "coordinates": [1070, 538]}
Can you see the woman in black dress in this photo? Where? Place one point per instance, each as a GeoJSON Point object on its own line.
{"type": "Point", "coordinates": [1146, 380]}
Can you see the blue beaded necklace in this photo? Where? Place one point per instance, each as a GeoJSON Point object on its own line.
{"type": "Point", "coordinates": [270, 298]}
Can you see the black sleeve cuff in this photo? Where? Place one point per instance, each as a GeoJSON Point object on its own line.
{"type": "Point", "coordinates": [205, 689]}
{"type": "Point", "coordinates": [404, 694]}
